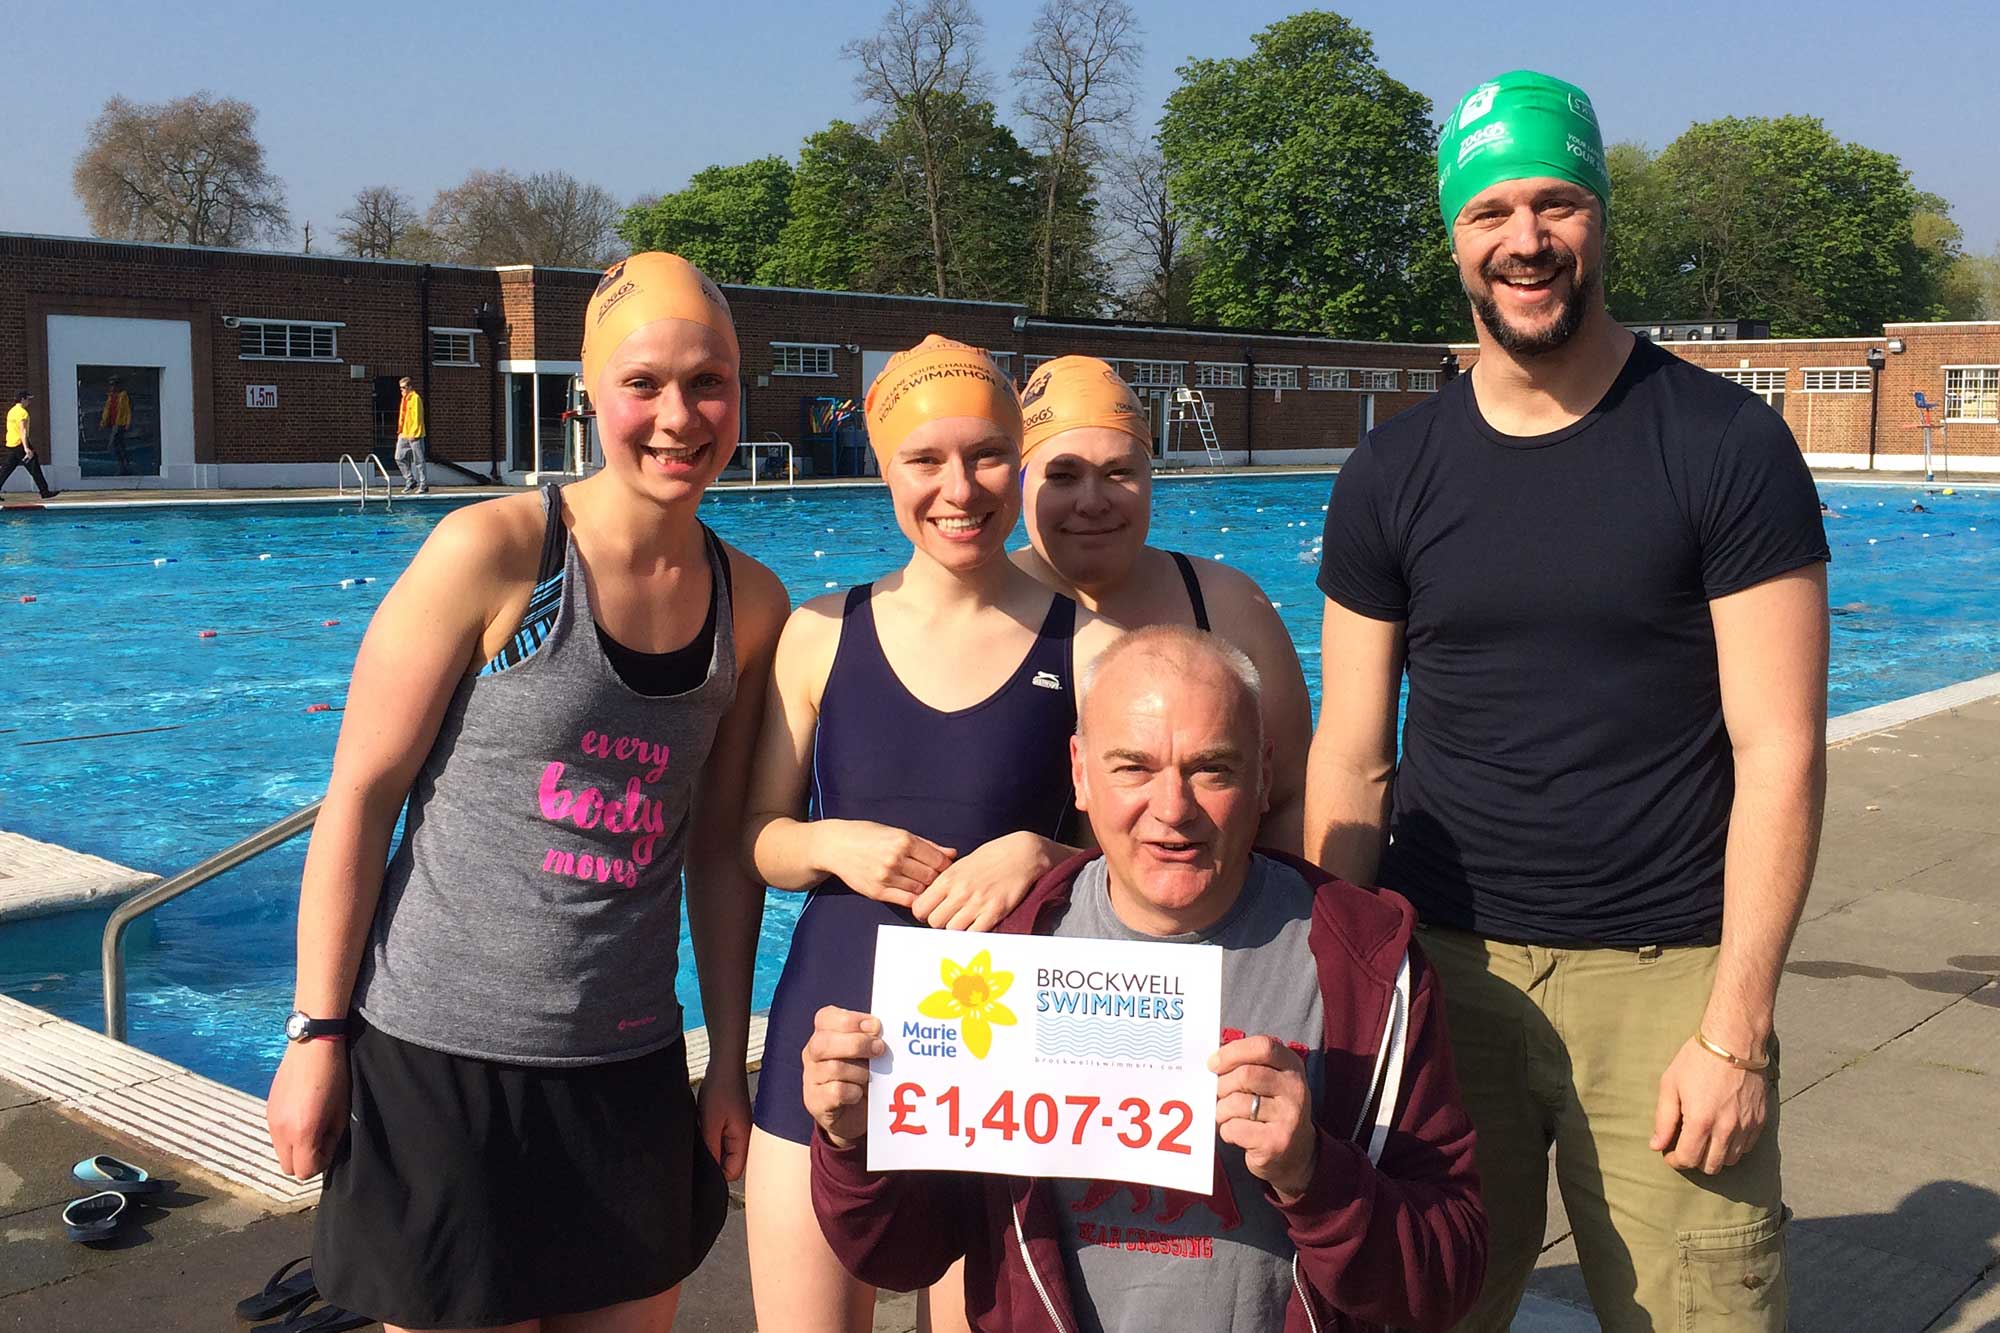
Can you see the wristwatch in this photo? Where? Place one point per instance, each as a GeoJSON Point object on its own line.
{"type": "Point", "coordinates": [301, 1027]}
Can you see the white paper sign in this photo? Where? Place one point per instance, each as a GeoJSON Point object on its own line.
{"type": "Point", "coordinates": [1034, 1056]}
{"type": "Point", "coordinates": [260, 395]}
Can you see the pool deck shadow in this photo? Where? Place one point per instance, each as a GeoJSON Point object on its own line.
{"type": "Point", "coordinates": [1890, 1015]}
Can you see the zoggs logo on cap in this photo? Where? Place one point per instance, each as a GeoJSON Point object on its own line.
{"type": "Point", "coordinates": [1480, 138]}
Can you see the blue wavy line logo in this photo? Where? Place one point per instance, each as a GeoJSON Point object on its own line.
{"type": "Point", "coordinates": [1101, 1039]}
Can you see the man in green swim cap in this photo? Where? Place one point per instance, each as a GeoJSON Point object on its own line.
{"type": "Point", "coordinates": [1603, 569]}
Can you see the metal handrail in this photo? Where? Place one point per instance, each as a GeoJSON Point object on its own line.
{"type": "Point", "coordinates": [388, 491]}
{"type": "Point", "coordinates": [133, 908]}
{"type": "Point", "coordinates": [340, 471]}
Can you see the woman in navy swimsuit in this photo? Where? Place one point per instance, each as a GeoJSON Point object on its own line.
{"type": "Point", "coordinates": [913, 769]}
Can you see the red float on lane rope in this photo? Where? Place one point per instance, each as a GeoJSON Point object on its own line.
{"type": "Point", "coordinates": [319, 708]}
{"type": "Point", "coordinates": [206, 634]}
{"type": "Point", "coordinates": [28, 597]}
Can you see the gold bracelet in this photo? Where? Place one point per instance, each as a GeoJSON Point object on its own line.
{"type": "Point", "coordinates": [1748, 1066]}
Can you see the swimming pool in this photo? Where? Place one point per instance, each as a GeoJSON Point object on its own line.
{"type": "Point", "coordinates": [111, 644]}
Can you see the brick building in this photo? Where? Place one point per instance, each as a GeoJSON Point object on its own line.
{"type": "Point", "coordinates": [256, 369]}
{"type": "Point", "coordinates": [263, 369]}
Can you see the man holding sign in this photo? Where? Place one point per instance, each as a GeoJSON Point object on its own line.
{"type": "Point", "coordinates": [1342, 1194]}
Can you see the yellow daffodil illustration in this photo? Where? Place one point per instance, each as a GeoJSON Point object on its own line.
{"type": "Point", "coordinates": [971, 996]}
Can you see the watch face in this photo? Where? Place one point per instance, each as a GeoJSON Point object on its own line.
{"type": "Point", "coordinates": [295, 1025]}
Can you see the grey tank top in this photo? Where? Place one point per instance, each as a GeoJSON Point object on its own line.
{"type": "Point", "coordinates": [532, 913]}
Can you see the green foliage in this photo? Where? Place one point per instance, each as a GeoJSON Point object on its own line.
{"type": "Point", "coordinates": [1309, 176]}
{"type": "Point", "coordinates": [1774, 218]}
{"type": "Point", "coordinates": [726, 222]}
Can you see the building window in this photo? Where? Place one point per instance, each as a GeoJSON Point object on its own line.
{"type": "Point", "coordinates": [802, 358]}
{"type": "Point", "coordinates": [1218, 374]}
{"type": "Point", "coordinates": [1151, 374]}
{"type": "Point", "coordinates": [268, 340]}
{"type": "Point", "coordinates": [1838, 379]}
{"type": "Point", "coordinates": [1326, 377]}
{"type": "Point", "coordinates": [452, 347]}
{"type": "Point", "coordinates": [1379, 379]}
{"type": "Point", "coordinates": [1757, 381]}
{"type": "Point", "coordinates": [1035, 363]}
{"type": "Point", "coordinates": [1972, 393]}
{"type": "Point", "coordinates": [1004, 360]}
{"type": "Point", "coordinates": [1277, 377]}
{"type": "Point", "coordinates": [1422, 381]}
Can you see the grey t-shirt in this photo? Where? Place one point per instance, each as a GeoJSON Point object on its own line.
{"type": "Point", "coordinates": [1140, 1258]}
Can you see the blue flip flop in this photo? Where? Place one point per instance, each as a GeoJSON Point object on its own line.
{"type": "Point", "coordinates": [109, 1173]}
{"type": "Point", "coordinates": [96, 1217]}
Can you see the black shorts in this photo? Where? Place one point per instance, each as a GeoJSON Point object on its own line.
{"type": "Point", "coordinates": [468, 1193]}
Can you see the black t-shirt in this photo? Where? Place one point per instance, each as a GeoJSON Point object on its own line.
{"type": "Point", "coordinates": [1565, 773]}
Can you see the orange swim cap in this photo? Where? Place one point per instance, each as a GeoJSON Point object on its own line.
{"type": "Point", "coordinates": [1074, 391]}
{"type": "Point", "coordinates": [637, 291]}
{"type": "Point", "coordinates": [937, 378]}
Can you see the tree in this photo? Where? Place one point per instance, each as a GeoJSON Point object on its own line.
{"type": "Point", "coordinates": [1156, 265]}
{"type": "Point", "coordinates": [382, 223]}
{"type": "Point", "coordinates": [1970, 288]}
{"type": "Point", "coordinates": [549, 218]}
{"type": "Point", "coordinates": [1310, 177]}
{"type": "Point", "coordinates": [1776, 218]}
{"type": "Point", "coordinates": [918, 66]}
{"type": "Point", "coordinates": [1076, 78]}
{"type": "Point", "coordinates": [726, 222]}
{"type": "Point", "coordinates": [834, 212]}
{"type": "Point", "coordinates": [190, 170]}
{"type": "Point", "coordinates": [1639, 270]}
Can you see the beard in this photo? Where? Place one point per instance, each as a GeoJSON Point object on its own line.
{"type": "Point", "coordinates": [1521, 342]}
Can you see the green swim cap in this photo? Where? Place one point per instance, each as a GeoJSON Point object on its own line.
{"type": "Point", "coordinates": [1519, 125]}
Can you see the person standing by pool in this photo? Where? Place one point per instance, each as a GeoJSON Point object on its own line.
{"type": "Point", "coordinates": [20, 453]}
{"type": "Point", "coordinates": [930, 714]}
{"type": "Point", "coordinates": [1606, 573]}
{"type": "Point", "coordinates": [115, 421]}
{"type": "Point", "coordinates": [410, 439]}
{"type": "Point", "coordinates": [567, 687]}
{"type": "Point", "coordinates": [1087, 460]}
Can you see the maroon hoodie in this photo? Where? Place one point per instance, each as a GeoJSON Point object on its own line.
{"type": "Point", "coordinates": [1401, 1244]}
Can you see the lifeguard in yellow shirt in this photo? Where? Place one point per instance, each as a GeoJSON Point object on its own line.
{"type": "Point", "coordinates": [410, 440]}
{"type": "Point", "coordinates": [117, 419]}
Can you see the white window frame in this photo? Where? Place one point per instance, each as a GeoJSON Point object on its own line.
{"type": "Point", "coordinates": [1276, 377]}
{"type": "Point", "coordinates": [1757, 379]}
{"type": "Point", "coordinates": [1328, 379]}
{"type": "Point", "coordinates": [313, 327]}
{"type": "Point", "coordinates": [471, 347]}
{"type": "Point", "coordinates": [1422, 381]}
{"type": "Point", "coordinates": [1374, 379]}
{"type": "Point", "coordinates": [1987, 393]}
{"type": "Point", "coordinates": [1004, 360]}
{"type": "Point", "coordinates": [1218, 374]}
{"type": "Point", "coordinates": [1152, 374]}
{"type": "Point", "coordinates": [1034, 363]}
{"type": "Point", "coordinates": [1837, 379]}
{"type": "Point", "coordinates": [781, 354]}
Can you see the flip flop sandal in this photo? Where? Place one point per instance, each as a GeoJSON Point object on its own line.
{"type": "Point", "coordinates": [94, 1218]}
{"type": "Point", "coordinates": [109, 1173]}
{"type": "Point", "coordinates": [281, 1294]}
{"type": "Point", "coordinates": [317, 1319]}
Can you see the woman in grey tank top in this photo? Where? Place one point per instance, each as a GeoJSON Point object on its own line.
{"type": "Point", "coordinates": [566, 688]}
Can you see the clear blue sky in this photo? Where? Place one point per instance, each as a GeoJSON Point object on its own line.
{"type": "Point", "coordinates": [635, 97]}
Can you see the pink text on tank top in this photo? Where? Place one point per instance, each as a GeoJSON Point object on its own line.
{"type": "Point", "coordinates": [588, 807]}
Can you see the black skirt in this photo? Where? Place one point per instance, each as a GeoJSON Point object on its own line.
{"type": "Point", "coordinates": [468, 1193]}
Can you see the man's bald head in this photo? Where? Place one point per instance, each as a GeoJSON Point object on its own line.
{"type": "Point", "coordinates": [1143, 659]}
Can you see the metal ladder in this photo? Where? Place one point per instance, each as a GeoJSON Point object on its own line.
{"type": "Point", "coordinates": [1192, 405]}
{"type": "Point", "coordinates": [347, 465]}
{"type": "Point", "coordinates": [122, 916]}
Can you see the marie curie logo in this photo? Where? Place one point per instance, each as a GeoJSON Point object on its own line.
{"type": "Point", "coordinates": [970, 1000]}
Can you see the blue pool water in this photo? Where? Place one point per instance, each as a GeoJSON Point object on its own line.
{"type": "Point", "coordinates": [111, 645]}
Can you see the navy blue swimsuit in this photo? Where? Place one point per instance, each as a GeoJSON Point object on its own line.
{"type": "Point", "coordinates": [960, 779]}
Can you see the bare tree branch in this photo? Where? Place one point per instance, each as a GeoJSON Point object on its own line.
{"type": "Point", "coordinates": [380, 223]}
{"type": "Point", "coordinates": [190, 170]}
{"type": "Point", "coordinates": [1076, 75]}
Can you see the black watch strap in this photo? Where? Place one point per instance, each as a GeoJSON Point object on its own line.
{"type": "Point", "coordinates": [299, 1026]}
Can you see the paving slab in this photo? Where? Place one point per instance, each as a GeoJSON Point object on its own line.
{"type": "Point", "coordinates": [1977, 1312]}
{"type": "Point", "coordinates": [1829, 1019]}
{"type": "Point", "coordinates": [1839, 1283]}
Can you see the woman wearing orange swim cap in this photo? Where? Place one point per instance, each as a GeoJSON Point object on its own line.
{"type": "Point", "coordinates": [1088, 472]}
{"type": "Point", "coordinates": [929, 715]}
{"type": "Point", "coordinates": [566, 688]}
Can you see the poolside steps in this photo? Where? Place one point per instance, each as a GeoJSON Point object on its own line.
{"type": "Point", "coordinates": [40, 879]}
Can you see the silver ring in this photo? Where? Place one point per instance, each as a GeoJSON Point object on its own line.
{"type": "Point", "coordinates": [1256, 1104]}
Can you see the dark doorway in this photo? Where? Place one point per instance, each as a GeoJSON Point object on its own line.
{"type": "Point", "coordinates": [388, 398]}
